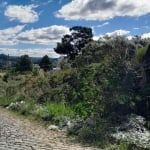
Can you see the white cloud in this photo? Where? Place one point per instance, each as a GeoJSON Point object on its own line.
{"type": "Point", "coordinates": [23, 14]}
{"type": "Point", "coordinates": [115, 33]}
{"type": "Point", "coordinates": [102, 25]}
{"type": "Point", "coordinates": [47, 2]}
{"type": "Point", "coordinates": [8, 36]}
{"type": "Point", "coordinates": [95, 38]}
{"type": "Point", "coordinates": [103, 9]}
{"type": "Point", "coordinates": [46, 36]}
{"type": "Point", "coordinates": [145, 35]}
{"type": "Point", "coordinates": [130, 37]}
{"type": "Point", "coordinates": [41, 36]}
{"type": "Point", "coordinates": [31, 52]}
{"type": "Point", "coordinates": [118, 33]}
{"type": "Point", "coordinates": [136, 28]}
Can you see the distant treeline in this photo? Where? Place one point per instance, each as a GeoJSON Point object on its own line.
{"type": "Point", "coordinates": [7, 61]}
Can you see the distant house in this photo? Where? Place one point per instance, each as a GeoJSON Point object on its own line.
{"type": "Point", "coordinates": [146, 65]}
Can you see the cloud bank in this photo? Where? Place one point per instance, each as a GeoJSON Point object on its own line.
{"type": "Point", "coordinates": [31, 52]}
{"type": "Point", "coordinates": [145, 35]}
{"type": "Point", "coordinates": [118, 33]}
{"type": "Point", "coordinates": [103, 9]}
{"type": "Point", "coordinates": [8, 36]}
{"type": "Point", "coordinates": [115, 33]}
{"type": "Point", "coordinates": [41, 36]}
{"type": "Point", "coordinates": [46, 36]}
{"type": "Point", "coordinates": [23, 14]}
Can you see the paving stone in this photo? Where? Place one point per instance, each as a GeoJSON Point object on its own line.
{"type": "Point", "coordinates": [18, 133]}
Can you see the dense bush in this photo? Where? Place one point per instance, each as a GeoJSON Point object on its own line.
{"type": "Point", "coordinates": [103, 88]}
{"type": "Point", "coordinates": [24, 63]}
{"type": "Point", "coordinates": [46, 63]}
{"type": "Point", "coordinates": [140, 53]}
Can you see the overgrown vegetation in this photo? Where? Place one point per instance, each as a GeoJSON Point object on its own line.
{"type": "Point", "coordinates": [101, 89]}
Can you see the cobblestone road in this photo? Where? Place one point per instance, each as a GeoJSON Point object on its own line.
{"type": "Point", "coordinates": [17, 133]}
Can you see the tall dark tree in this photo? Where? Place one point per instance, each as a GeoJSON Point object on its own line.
{"type": "Point", "coordinates": [24, 63]}
{"type": "Point", "coordinates": [96, 51]}
{"type": "Point", "coordinates": [72, 44]}
{"type": "Point", "coordinates": [46, 63]}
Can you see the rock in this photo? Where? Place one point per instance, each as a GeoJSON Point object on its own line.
{"type": "Point", "coordinates": [53, 127]}
{"type": "Point", "coordinates": [70, 124]}
{"type": "Point", "coordinates": [133, 132]}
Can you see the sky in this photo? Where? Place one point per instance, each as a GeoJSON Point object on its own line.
{"type": "Point", "coordinates": [34, 27]}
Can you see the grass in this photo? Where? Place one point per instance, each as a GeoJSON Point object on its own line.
{"type": "Point", "coordinates": [140, 53]}
{"type": "Point", "coordinates": [55, 112]}
{"type": "Point", "coordinates": [22, 87]}
{"type": "Point", "coordinates": [59, 109]}
{"type": "Point", "coordinates": [5, 101]}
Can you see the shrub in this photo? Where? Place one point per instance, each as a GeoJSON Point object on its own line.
{"type": "Point", "coordinates": [27, 108]}
{"type": "Point", "coordinates": [5, 101]}
{"type": "Point", "coordinates": [24, 63]}
{"type": "Point", "coordinates": [140, 53]}
{"type": "Point", "coordinates": [35, 71]}
{"type": "Point", "coordinates": [46, 63]}
{"type": "Point", "coordinates": [5, 77]}
{"type": "Point", "coordinates": [95, 131]}
{"type": "Point", "coordinates": [56, 111]}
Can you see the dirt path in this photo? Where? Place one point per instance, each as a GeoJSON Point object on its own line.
{"type": "Point", "coordinates": [17, 133]}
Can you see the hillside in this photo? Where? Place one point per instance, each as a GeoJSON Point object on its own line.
{"type": "Point", "coordinates": [100, 101]}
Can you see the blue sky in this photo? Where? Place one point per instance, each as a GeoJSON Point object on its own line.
{"type": "Point", "coordinates": [34, 27]}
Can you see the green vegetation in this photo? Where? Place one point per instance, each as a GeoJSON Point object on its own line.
{"type": "Point", "coordinates": [24, 64]}
{"type": "Point", "coordinates": [71, 45]}
{"type": "Point", "coordinates": [46, 63]}
{"type": "Point", "coordinates": [96, 95]}
{"type": "Point", "coordinates": [140, 53]}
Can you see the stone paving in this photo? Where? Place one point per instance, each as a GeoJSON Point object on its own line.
{"type": "Point", "coordinates": [18, 133]}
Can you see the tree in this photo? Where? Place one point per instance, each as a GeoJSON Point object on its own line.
{"type": "Point", "coordinates": [46, 63]}
{"type": "Point", "coordinates": [72, 44]}
{"type": "Point", "coordinates": [96, 51]}
{"type": "Point", "coordinates": [64, 64]}
{"type": "Point", "coordinates": [106, 80]}
{"type": "Point", "coordinates": [24, 63]}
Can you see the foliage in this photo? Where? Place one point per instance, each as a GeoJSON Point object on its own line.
{"type": "Point", "coordinates": [95, 131]}
{"type": "Point", "coordinates": [96, 51]}
{"type": "Point", "coordinates": [64, 64]}
{"type": "Point", "coordinates": [46, 63]}
{"type": "Point", "coordinates": [54, 112]}
{"type": "Point", "coordinates": [24, 63]}
{"type": "Point", "coordinates": [35, 71]}
{"type": "Point", "coordinates": [123, 146]}
{"type": "Point", "coordinates": [4, 101]}
{"type": "Point", "coordinates": [5, 77]}
{"type": "Point", "coordinates": [140, 42]}
{"type": "Point", "coordinates": [72, 44]}
{"type": "Point", "coordinates": [140, 53]}
{"type": "Point", "coordinates": [103, 87]}
{"type": "Point", "coordinates": [148, 124]}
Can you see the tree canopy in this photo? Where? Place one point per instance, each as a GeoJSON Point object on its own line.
{"type": "Point", "coordinates": [72, 44]}
{"type": "Point", "coordinates": [96, 51]}
{"type": "Point", "coordinates": [24, 63]}
{"type": "Point", "coordinates": [46, 63]}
